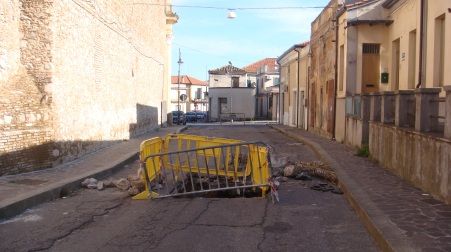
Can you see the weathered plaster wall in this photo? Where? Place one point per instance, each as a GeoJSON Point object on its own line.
{"type": "Point", "coordinates": [354, 128]}
{"type": "Point", "coordinates": [76, 76]}
{"type": "Point", "coordinates": [322, 44]}
{"type": "Point", "coordinates": [217, 80]}
{"type": "Point", "coordinates": [239, 100]}
{"type": "Point", "coordinates": [423, 160]}
{"type": "Point", "coordinates": [25, 102]}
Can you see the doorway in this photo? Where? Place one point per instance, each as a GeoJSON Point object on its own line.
{"type": "Point", "coordinates": [370, 68]}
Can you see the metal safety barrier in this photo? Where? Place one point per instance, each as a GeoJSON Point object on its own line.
{"type": "Point", "coordinates": [183, 164]}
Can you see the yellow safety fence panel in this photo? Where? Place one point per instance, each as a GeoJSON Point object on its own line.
{"type": "Point", "coordinates": [154, 156]}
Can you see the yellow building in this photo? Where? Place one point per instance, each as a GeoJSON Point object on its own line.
{"type": "Point", "coordinates": [294, 64]}
{"type": "Point", "coordinates": [388, 45]}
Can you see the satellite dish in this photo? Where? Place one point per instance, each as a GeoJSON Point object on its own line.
{"type": "Point", "coordinates": [183, 97]}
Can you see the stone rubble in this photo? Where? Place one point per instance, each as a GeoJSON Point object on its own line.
{"type": "Point", "coordinates": [132, 184]}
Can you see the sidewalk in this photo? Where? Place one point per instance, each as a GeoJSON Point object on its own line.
{"type": "Point", "coordinates": [399, 216]}
{"type": "Point", "coordinates": [22, 191]}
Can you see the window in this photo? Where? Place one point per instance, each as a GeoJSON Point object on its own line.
{"type": "Point", "coordinates": [199, 93]}
{"type": "Point", "coordinates": [439, 51]}
{"type": "Point", "coordinates": [235, 82]}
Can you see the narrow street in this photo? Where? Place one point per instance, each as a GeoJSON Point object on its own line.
{"type": "Point", "coordinates": [109, 220]}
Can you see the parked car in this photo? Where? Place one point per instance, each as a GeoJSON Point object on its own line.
{"type": "Point", "coordinates": [178, 117]}
{"type": "Point", "coordinates": [201, 115]}
{"type": "Point", "coordinates": [191, 116]}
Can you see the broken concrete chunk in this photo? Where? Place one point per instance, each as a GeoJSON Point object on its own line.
{"type": "Point", "coordinates": [132, 191]}
{"type": "Point", "coordinates": [108, 183]}
{"type": "Point", "coordinates": [100, 186]}
{"type": "Point", "coordinates": [90, 183]}
{"type": "Point", "coordinates": [288, 171]}
{"type": "Point", "coordinates": [123, 184]}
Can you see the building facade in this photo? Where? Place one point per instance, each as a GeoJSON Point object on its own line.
{"type": "Point", "coordinates": [230, 94]}
{"type": "Point", "coordinates": [195, 91]}
{"type": "Point", "coordinates": [387, 46]}
{"type": "Point", "coordinates": [294, 65]}
{"type": "Point", "coordinates": [322, 72]}
{"type": "Point", "coordinates": [75, 76]}
{"type": "Point", "coordinates": [266, 72]}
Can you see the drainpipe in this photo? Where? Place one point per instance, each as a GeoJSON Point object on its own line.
{"type": "Point", "coordinates": [336, 77]}
{"type": "Point", "coordinates": [422, 51]}
{"type": "Point", "coordinates": [308, 87]}
{"type": "Point", "coordinates": [297, 98]}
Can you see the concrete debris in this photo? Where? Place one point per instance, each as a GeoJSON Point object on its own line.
{"type": "Point", "coordinates": [289, 170]}
{"type": "Point", "coordinates": [278, 161]}
{"type": "Point", "coordinates": [100, 185]}
{"type": "Point", "coordinates": [108, 183]}
{"type": "Point", "coordinates": [122, 184]}
{"type": "Point", "coordinates": [303, 176]}
{"type": "Point", "coordinates": [132, 191]}
{"type": "Point", "coordinates": [281, 179]}
{"type": "Point", "coordinates": [133, 184]}
{"type": "Point", "coordinates": [90, 183]}
{"type": "Point", "coordinates": [325, 187]}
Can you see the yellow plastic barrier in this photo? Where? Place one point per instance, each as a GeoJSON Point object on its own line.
{"type": "Point", "coordinates": [232, 160]}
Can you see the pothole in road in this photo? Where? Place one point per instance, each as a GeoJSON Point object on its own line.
{"type": "Point", "coordinates": [216, 187]}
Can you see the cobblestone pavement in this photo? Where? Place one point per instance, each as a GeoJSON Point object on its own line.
{"type": "Point", "coordinates": [419, 219]}
{"type": "Point", "coordinates": [91, 220]}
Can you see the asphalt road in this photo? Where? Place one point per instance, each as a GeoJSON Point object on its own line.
{"type": "Point", "coordinates": [108, 220]}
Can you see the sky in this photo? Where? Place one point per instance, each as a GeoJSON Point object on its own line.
{"type": "Point", "coordinates": [208, 39]}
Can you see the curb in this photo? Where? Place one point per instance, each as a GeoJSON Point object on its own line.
{"type": "Point", "coordinates": [382, 231]}
{"type": "Point", "coordinates": [182, 129]}
{"type": "Point", "coordinates": [58, 191]}
{"type": "Point", "coordinates": [64, 188]}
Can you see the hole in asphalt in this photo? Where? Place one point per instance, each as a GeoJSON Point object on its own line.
{"type": "Point", "coordinates": [205, 188]}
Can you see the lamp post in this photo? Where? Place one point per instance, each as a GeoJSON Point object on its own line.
{"type": "Point", "coordinates": [180, 62]}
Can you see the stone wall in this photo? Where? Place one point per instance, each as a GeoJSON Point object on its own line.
{"type": "Point", "coordinates": [322, 71]}
{"type": "Point", "coordinates": [25, 104]}
{"type": "Point", "coordinates": [422, 159]}
{"type": "Point", "coordinates": [78, 75]}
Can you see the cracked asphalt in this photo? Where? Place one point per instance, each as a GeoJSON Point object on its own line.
{"type": "Point", "coordinates": [91, 220]}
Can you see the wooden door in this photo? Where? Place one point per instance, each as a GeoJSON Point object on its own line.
{"type": "Point", "coordinates": [330, 105]}
{"type": "Point", "coordinates": [370, 68]}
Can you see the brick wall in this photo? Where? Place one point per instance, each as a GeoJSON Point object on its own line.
{"type": "Point", "coordinates": [77, 76]}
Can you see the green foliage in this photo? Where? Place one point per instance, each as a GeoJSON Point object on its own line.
{"type": "Point", "coordinates": [364, 151]}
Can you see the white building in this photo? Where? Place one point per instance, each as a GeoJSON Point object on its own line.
{"type": "Point", "coordinates": [231, 94]}
{"type": "Point", "coordinates": [266, 74]}
{"type": "Point", "coordinates": [188, 93]}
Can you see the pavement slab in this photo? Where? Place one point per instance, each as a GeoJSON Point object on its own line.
{"type": "Point", "coordinates": [22, 191]}
{"type": "Point", "coordinates": [400, 216]}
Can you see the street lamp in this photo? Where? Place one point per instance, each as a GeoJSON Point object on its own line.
{"type": "Point", "coordinates": [180, 62]}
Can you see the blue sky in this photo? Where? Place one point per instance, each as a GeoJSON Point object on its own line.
{"type": "Point", "coordinates": [208, 39]}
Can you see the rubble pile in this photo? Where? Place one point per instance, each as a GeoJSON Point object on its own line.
{"type": "Point", "coordinates": [132, 184]}
{"type": "Point", "coordinates": [306, 171]}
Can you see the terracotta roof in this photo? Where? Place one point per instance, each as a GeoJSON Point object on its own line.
{"type": "Point", "coordinates": [270, 62]}
{"type": "Point", "coordinates": [228, 69]}
{"type": "Point", "coordinates": [189, 80]}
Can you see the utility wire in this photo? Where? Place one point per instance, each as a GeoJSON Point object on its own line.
{"type": "Point", "coordinates": [206, 53]}
{"type": "Point", "coordinates": [235, 8]}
